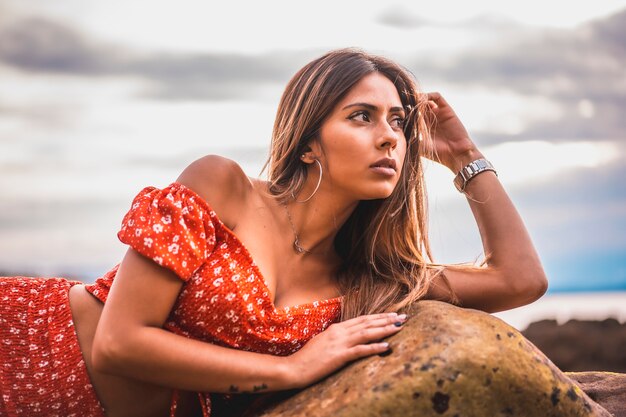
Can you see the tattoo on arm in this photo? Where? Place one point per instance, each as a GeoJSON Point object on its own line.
{"type": "Point", "coordinates": [258, 388]}
{"type": "Point", "coordinates": [235, 389]}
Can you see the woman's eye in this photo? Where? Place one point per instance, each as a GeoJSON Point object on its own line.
{"type": "Point", "coordinates": [360, 116]}
{"type": "Point", "coordinates": [398, 122]}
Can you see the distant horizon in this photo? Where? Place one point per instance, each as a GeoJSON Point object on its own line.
{"type": "Point", "coordinates": [89, 275]}
{"type": "Point", "coordinates": [562, 307]}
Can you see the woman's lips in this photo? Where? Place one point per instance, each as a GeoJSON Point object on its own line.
{"type": "Point", "coordinates": [384, 166]}
{"type": "Point", "coordinates": [387, 171]}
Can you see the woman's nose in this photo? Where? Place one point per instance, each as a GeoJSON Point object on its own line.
{"type": "Point", "coordinates": [388, 137]}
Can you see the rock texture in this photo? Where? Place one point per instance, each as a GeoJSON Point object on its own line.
{"type": "Point", "coordinates": [580, 345]}
{"type": "Point", "coordinates": [607, 388]}
{"type": "Point", "coordinates": [446, 361]}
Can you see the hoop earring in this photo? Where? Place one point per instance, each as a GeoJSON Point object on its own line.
{"type": "Point", "coordinates": [319, 181]}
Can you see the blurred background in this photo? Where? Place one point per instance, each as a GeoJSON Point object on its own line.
{"type": "Point", "coordinates": [99, 99]}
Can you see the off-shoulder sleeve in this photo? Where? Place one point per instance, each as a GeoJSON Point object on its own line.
{"type": "Point", "coordinates": [172, 226]}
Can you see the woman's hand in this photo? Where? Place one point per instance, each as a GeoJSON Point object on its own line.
{"type": "Point", "coordinates": [342, 343]}
{"type": "Point", "coordinates": [451, 144]}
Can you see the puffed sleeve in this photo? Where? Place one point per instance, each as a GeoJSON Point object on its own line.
{"type": "Point", "coordinates": [172, 226]}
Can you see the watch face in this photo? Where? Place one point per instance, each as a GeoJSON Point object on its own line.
{"type": "Point", "coordinates": [469, 171]}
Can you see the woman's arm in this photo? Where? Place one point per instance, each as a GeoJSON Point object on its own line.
{"type": "Point", "coordinates": [131, 342]}
{"type": "Point", "coordinates": [513, 275]}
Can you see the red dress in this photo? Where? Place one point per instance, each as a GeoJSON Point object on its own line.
{"type": "Point", "coordinates": [224, 299]}
{"type": "Point", "coordinates": [42, 372]}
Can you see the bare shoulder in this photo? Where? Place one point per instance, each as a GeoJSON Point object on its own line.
{"type": "Point", "coordinates": [222, 183]}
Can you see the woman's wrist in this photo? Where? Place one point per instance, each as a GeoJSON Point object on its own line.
{"type": "Point", "coordinates": [460, 161]}
{"type": "Point", "coordinates": [470, 171]}
{"type": "Point", "coordinates": [285, 376]}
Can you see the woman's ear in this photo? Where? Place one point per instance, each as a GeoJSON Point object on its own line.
{"type": "Point", "coordinates": [311, 152]}
{"type": "Point", "coordinates": [308, 157]}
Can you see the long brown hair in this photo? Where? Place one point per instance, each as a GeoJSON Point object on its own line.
{"type": "Point", "coordinates": [387, 263]}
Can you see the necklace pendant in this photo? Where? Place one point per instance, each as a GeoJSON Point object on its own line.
{"type": "Point", "coordinates": [296, 242]}
{"type": "Point", "coordinates": [298, 248]}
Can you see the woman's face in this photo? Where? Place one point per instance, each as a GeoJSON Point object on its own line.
{"type": "Point", "coordinates": [362, 141]}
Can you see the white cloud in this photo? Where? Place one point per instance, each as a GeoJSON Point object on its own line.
{"type": "Point", "coordinates": [499, 111]}
{"type": "Point", "coordinates": [586, 108]}
{"type": "Point", "coordinates": [522, 164]}
{"type": "Point", "coordinates": [249, 26]}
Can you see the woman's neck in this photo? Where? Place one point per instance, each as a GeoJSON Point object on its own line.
{"type": "Point", "coordinates": [316, 222]}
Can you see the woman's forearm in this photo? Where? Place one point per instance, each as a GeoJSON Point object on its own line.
{"type": "Point", "coordinates": [163, 358]}
{"type": "Point", "coordinates": [157, 356]}
{"type": "Point", "coordinates": [508, 248]}
{"type": "Point", "coordinates": [505, 239]}
{"type": "Point", "coordinates": [512, 275]}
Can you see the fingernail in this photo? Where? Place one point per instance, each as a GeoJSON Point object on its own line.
{"type": "Point", "coordinates": [402, 316]}
{"type": "Point", "coordinates": [398, 324]}
{"type": "Point", "coordinates": [386, 353]}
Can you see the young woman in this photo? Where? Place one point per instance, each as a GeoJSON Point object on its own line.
{"type": "Point", "coordinates": [234, 285]}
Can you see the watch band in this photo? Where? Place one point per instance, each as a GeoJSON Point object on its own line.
{"type": "Point", "coordinates": [470, 170]}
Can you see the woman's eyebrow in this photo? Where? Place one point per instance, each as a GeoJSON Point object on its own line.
{"type": "Point", "coordinates": [373, 107]}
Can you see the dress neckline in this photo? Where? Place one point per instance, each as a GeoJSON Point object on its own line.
{"type": "Point", "coordinates": [258, 275]}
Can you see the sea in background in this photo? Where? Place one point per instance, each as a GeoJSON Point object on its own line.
{"type": "Point", "coordinates": [565, 306]}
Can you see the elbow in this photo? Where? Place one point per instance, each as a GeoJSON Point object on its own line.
{"type": "Point", "coordinates": [536, 289]}
{"type": "Point", "coordinates": [537, 283]}
{"type": "Point", "coordinates": [530, 286]}
{"type": "Point", "coordinates": [541, 285]}
{"type": "Point", "coordinates": [107, 354]}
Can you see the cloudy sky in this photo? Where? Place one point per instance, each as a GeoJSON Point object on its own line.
{"type": "Point", "coordinates": [99, 99]}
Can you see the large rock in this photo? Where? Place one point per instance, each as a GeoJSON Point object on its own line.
{"type": "Point", "coordinates": [446, 361]}
{"type": "Point", "coordinates": [607, 388]}
{"type": "Point", "coordinates": [580, 345]}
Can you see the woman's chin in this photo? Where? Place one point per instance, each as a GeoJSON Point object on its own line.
{"type": "Point", "coordinates": [378, 193]}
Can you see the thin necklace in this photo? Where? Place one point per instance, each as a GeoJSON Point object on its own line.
{"type": "Point", "coordinates": [296, 242]}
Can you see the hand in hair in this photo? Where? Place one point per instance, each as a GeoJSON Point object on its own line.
{"type": "Point", "coordinates": [340, 344]}
{"type": "Point", "coordinates": [449, 143]}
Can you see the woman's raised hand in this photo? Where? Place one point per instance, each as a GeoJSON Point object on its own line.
{"type": "Point", "coordinates": [451, 144]}
{"type": "Point", "coordinates": [340, 344]}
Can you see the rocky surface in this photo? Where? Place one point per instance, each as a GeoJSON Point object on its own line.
{"type": "Point", "coordinates": [606, 388]}
{"type": "Point", "coordinates": [581, 345]}
{"type": "Point", "coordinates": [446, 361]}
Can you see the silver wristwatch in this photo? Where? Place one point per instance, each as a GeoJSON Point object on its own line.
{"type": "Point", "coordinates": [470, 170]}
